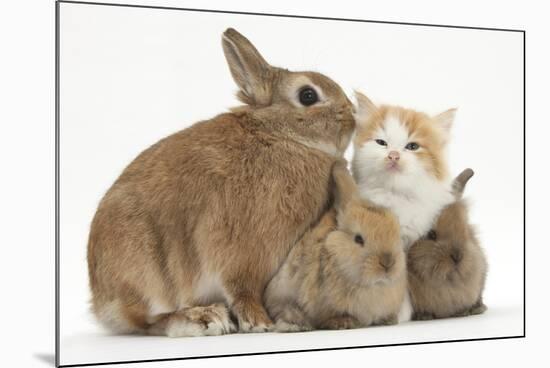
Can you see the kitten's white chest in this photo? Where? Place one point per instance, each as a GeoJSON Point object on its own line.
{"type": "Point", "coordinates": [415, 210]}
{"type": "Point", "coordinates": [415, 218]}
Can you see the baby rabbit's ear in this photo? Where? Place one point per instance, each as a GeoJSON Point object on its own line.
{"type": "Point", "coordinates": [345, 189]}
{"type": "Point", "coordinates": [460, 182]}
{"type": "Point", "coordinates": [250, 71]}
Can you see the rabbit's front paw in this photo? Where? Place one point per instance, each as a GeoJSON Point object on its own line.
{"type": "Point", "coordinates": [478, 308]}
{"type": "Point", "coordinates": [293, 315]}
{"type": "Point", "coordinates": [423, 316]}
{"type": "Point", "coordinates": [252, 317]}
{"type": "Point", "coordinates": [285, 326]}
{"type": "Point", "coordinates": [387, 321]}
{"type": "Point", "coordinates": [340, 323]}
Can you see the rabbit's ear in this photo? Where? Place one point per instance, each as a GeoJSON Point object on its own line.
{"type": "Point", "coordinates": [345, 189]}
{"type": "Point", "coordinates": [460, 182]}
{"type": "Point", "coordinates": [250, 71]}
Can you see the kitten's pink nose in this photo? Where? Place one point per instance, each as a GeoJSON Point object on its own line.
{"type": "Point", "coordinates": [393, 156]}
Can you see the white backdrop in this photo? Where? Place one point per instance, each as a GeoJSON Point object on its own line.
{"type": "Point", "coordinates": [132, 76]}
{"type": "Point", "coordinates": [27, 185]}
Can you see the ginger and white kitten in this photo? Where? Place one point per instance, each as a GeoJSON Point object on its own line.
{"type": "Point", "coordinates": [399, 163]}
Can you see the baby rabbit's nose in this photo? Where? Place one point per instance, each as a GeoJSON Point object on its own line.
{"type": "Point", "coordinates": [386, 260]}
{"type": "Point", "coordinates": [456, 255]}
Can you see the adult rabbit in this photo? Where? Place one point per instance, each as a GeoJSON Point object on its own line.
{"type": "Point", "coordinates": [204, 218]}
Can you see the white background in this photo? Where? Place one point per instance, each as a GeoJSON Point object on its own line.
{"type": "Point", "coordinates": [28, 182]}
{"type": "Point", "coordinates": [132, 76]}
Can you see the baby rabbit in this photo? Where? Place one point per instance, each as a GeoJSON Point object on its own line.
{"type": "Point", "coordinates": [205, 217]}
{"type": "Point", "coordinates": [347, 272]}
{"type": "Point", "coordinates": [447, 268]}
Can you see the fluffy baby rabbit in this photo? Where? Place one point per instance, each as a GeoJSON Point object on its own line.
{"type": "Point", "coordinates": [347, 272]}
{"type": "Point", "coordinates": [205, 217]}
{"type": "Point", "coordinates": [447, 268]}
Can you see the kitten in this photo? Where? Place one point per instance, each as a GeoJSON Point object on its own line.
{"type": "Point", "coordinates": [399, 163]}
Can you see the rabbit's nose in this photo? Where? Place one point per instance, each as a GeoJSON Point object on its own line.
{"type": "Point", "coordinates": [386, 260]}
{"type": "Point", "coordinates": [393, 156]}
{"type": "Point", "coordinates": [456, 255]}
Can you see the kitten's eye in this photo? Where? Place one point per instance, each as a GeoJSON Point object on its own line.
{"type": "Point", "coordinates": [359, 239]}
{"type": "Point", "coordinates": [308, 96]}
{"type": "Point", "coordinates": [432, 235]}
{"type": "Point", "coordinates": [381, 142]}
{"type": "Point", "coordinates": [413, 146]}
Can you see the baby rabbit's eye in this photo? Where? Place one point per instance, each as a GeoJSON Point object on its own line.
{"type": "Point", "coordinates": [308, 96]}
{"type": "Point", "coordinates": [381, 142]}
{"type": "Point", "coordinates": [432, 235]}
{"type": "Point", "coordinates": [359, 239]}
{"type": "Point", "coordinates": [412, 146]}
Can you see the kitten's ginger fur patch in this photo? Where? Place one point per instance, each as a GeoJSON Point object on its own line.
{"type": "Point", "coordinates": [418, 187]}
{"type": "Point", "coordinates": [420, 126]}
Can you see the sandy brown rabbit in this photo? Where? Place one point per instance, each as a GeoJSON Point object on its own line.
{"type": "Point", "coordinates": [204, 218]}
{"type": "Point", "coordinates": [347, 272]}
{"type": "Point", "coordinates": [447, 268]}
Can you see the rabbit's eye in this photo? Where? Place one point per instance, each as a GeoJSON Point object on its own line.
{"type": "Point", "coordinates": [432, 235]}
{"type": "Point", "coordinates": [308, 96]}
{"type": "Point", "coordinates": [381, 142]}
{"type": "Point", "coordinates": [359, 239]}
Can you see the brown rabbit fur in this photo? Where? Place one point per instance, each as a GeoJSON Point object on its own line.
{"type": "Point", "coordinates": [347, 272]}
{"type": "Point", "coordinates": [447, 268]}
{"type": "Point", "coordinates": [207, 215]}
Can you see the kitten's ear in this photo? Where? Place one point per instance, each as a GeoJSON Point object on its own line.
{"type": "Point", "coordinates": [363, 109]}
{"type": "Point", "coordinates": [445, 121]}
